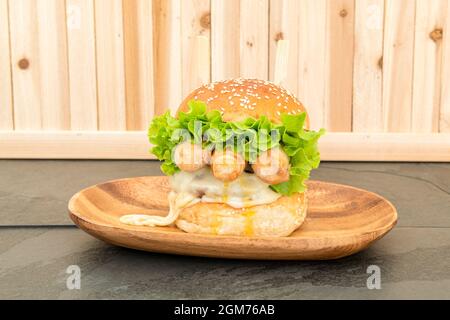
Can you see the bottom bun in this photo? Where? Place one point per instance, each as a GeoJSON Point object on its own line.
{"type": "Point", "coordinates": [277, 219]}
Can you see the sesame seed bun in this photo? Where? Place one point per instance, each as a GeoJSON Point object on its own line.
{"type": "Point", "coordinates": [277, 219]}
{"type": "Point", "coordinates": [238, 99]}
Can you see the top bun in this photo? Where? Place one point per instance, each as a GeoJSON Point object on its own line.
{"type": "Point", "coordinates": [238, 99]}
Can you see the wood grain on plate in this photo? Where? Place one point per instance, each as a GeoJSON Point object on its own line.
{"type": "Point", "coordinates": [341, 221]}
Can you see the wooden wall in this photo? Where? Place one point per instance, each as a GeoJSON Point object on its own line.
{"type": "Point", "coordinates": [83, 78]}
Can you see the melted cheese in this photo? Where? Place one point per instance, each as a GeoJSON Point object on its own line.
{"type": "Point", "coordinates": [176, 202]}
{"type": "Point", "coordinates": [189, 188]}
{"type": "Point", "coordinates": [246, 191]}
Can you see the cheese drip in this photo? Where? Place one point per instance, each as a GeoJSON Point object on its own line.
{"type": "Point", "coordinates": [177, 201]}
{"type": "Point", "coordinates": [246, 191]}
{"type": "Point", "coordinates": [190, 188]}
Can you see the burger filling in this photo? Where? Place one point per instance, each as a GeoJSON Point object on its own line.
{"type": "Point", "coordinates": [241, 164]}
{"type": "Point", "coordinates": [246, 191]}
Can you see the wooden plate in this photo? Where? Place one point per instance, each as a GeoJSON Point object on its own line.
{"type": "Point", "coordinates": [341, 220]}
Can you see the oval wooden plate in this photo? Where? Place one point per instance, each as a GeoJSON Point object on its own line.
{"type": "Point", "coordinates": [341, 221]}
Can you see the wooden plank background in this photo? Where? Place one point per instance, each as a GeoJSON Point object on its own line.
{"type": "Point", "coordinates": [83, 78]}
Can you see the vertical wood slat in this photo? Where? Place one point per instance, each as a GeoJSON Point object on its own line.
{"type": "Point", "coordinates": [284, 25]}
{"type": "Point", "coordinates": [38, 41]}
{"type": "Point", "coordinates": [82, 64]}
{"type": "Point", "coordinates": [167, 54]}
{"type": "Point", "coordinates": [254, 42]}
{"type": "Point", "coordinates": [195, 21]}
{"type": "Point", "coordinates": [138, 35]}
{"type": "Point", "coordinates": [367, 80]}
{"type": "Point", "coordinates": [199, 64]}
{"type": "Point", "coordinates": [339, 65]}
{"type": "Point", "coordinates": [281, 71]}
{"type": "Point", "coordinates": [384, 98]}
{"type": "Point", "coordinates": [398, 65]}
{"type": "Point", "coordinates": [6, 108]}
{"type": "Point", "coordinates": [444, 117]}
{"type": "Point", "coordinates": [110, 65]}
{"type": "Point", "coordinates": [225, 25]}
{"type": "Point", "coordinates": [430, 20]}
{"type": "Point", "coordinates": [311, 59]}
{"type": "Point", "coordinates": [54, 65]}
{"type": "Point", "coordinates": [26, 83]}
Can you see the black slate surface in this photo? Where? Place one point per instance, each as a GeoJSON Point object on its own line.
{"type": "Point", "coordinates": [38, 243]}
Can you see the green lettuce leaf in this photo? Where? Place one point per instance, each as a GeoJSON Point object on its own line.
{"type": "Point", "coordinates": [250, 137]}
{"type": "Point", "coordinates": [301, 147]}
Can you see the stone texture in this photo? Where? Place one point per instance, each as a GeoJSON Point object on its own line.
{"type": "Point", "coordinates": [38, 242]}
{"type": "Point", "coordinates": [419, 191]}
{"type": "Point", "coordinates": [414, 264]}
{"type": "Point", "coordinates": [37, 192]}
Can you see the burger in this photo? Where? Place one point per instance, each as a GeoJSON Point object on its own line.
{"type": "Point", "coordinates": [237, 153]}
